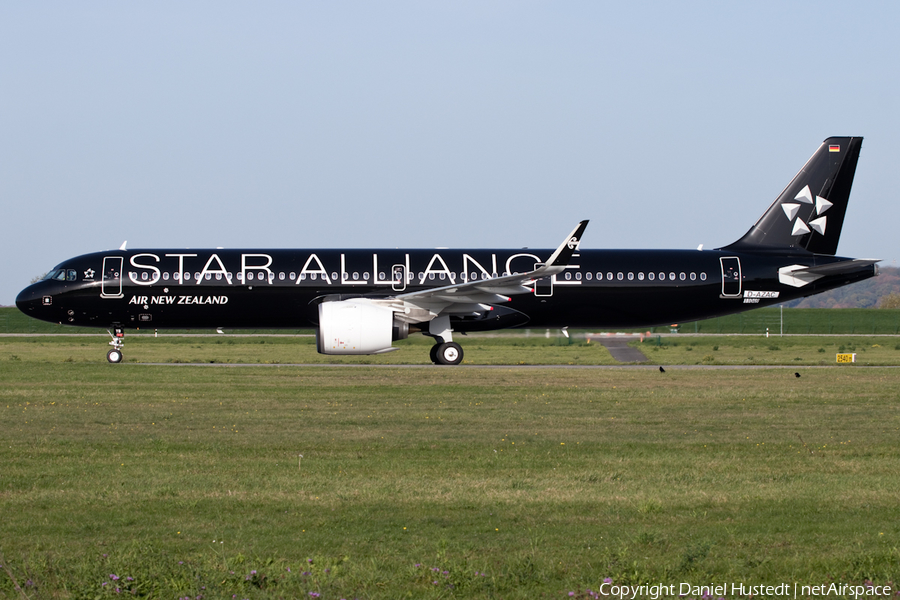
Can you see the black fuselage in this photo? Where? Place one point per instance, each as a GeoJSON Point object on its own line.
{"type": "Point", "coordinates": [283, 288]}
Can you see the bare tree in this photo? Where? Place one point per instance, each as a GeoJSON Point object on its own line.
{"type": "Point", "coordinates": [889, 301]}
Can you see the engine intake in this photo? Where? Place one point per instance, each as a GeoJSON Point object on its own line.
{"type": "Point", "coordinates": [357, 326]}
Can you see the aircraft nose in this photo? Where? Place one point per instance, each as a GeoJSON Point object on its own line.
{"type": "Point", "coordinates": [29, 299]}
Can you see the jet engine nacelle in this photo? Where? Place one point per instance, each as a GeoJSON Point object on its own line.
{"type": "Point", "coordinates": [357, 327]}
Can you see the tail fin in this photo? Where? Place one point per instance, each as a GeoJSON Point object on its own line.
{"type": "Point", "coordinates": [809, 213]}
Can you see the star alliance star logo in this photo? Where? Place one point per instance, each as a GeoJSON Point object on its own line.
{"type": "Point", "coordinates": [89, 274]}
{"type": "Point", "coordinates": [792, 208]}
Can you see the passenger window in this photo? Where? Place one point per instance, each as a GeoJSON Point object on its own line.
{"type": "Point", "coordinates": [250, 276]}
{"type": "Point", "coordinates": [651, 276]}
{"type": "Point", "coordinates": [71, 275]}
{"type": "Point", "coordinates": [702, 276]}
{"type": "Point", "coordinates": [334, 276]}
{"type": "Point", "coordinates": [366, 276]}
{"type": "Point", "coordinates": [144, 276]}
{"type": "Point", "coordinates": [630, 276]}
{"type": "Point", "coordinates": [197, 276]}
{"type": "Point", "coordinates": [588, 276]}
{"type": "Point", "coordinates": [166, 276]}
{"type": "Point", "coordinates": [381, 276]}
{"type": "Point", "coordinates": [662, 276]}
{"type": "Point", "coordinates": [681, 276]}
{"type": "Point", "coordinates": [640, 276]}
{"type": "Point", "coordinates": [240, 276]}
{"type": "Point", "coordinates": [599, 276]}
{"type": "Point", "coordinates": [218, 277]}
{"type": "Point", "coordinates": [671, 276]}
{"type": "Point", "coordinates": [208, 276]}
{"type": "Point", "coordinates": [186, 277]}
{"type": "Point", "coordinates": [609, 276]}
{"type": "Point", "coordinates": [578, 276]}
{"type": "Point", "coordinates": [228, 276]}
{"type": "Point", "coordinates": [292, 276]}
{"type": "Point", "coordinates": [355, 276]}
{"type": "Point", "coordinates": [693, 276]}
{"type": "Point", "coordinates": [620, 276]}
{"type": "Point", "coordinates": [281, 276]}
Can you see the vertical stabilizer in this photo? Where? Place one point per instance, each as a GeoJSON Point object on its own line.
{"type": "Point", "coordinates": [809, 213]}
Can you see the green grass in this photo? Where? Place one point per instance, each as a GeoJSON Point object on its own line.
{"type": "Point", "coordinates": [759, 350]}
{"type": "Point", "coordinates": [516, 482]}
{"type": "Point", "coordinates": [675, 349]}
{"type": "Point", "coordinates": [801, 321]}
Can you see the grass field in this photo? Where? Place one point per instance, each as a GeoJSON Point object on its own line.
{"type": "Point", "coordinates": [675, 349]}
{"type": "Point", "coordinates": [435, 482]}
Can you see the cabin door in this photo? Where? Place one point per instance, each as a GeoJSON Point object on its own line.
{"type": "Point", "coordinates": [398, 278]}
{"type": "Point", "coordinates": [544, 286]}
{"type": "Point", "coordinates": [731, 276]}
{"type": "Point", "coordinates": [111, 284]}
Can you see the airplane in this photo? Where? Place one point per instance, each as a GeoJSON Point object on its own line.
{"type": "Point", "coordinates": [362, 300]}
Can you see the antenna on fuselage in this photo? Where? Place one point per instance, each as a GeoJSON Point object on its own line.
{"type": "Point", "coordinates": [122, 247]}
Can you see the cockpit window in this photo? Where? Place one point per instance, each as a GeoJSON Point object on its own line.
{"type": "Point", "coordinates": [57, 274]}
{"type": "Point", "coordinates": [62, 275]}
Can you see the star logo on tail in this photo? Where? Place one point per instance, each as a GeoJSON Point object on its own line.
{"type": "Point", "coordinates": [791, 209]}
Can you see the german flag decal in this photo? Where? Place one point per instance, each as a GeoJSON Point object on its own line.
{"type": "Point", "coordinates": [834, 148]}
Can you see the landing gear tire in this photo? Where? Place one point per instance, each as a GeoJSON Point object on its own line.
{"type": "Point", "coordinates": [433, 354]}
{"type": "Point", "coordinates": [448, 353]}
{"type": "Point", "coordinates": [114, 356]}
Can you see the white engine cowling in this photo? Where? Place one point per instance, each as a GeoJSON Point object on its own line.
{"type": "Point", "coordinates": [355, 327]}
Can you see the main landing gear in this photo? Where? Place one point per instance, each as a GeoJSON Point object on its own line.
{"type": "Point", "coordinates": [445, 351]}
{"type": "Point", "coordinates": [118, 340]}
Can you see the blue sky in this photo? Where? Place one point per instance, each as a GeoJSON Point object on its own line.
{"type": "Point", "coordinates": [463, 124]}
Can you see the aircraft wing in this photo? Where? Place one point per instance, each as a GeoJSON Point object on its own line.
{"type": "Point", "coordinates": [465, 297]}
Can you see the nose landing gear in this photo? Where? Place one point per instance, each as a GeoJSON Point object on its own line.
{"type": "Point", "coordinates": [118, 340]}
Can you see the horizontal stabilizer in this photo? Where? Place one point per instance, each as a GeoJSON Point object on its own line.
{"type": "Point", "coordinates": [801, 275]}
{"type": "Point", "coordinates": [840, 267]}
